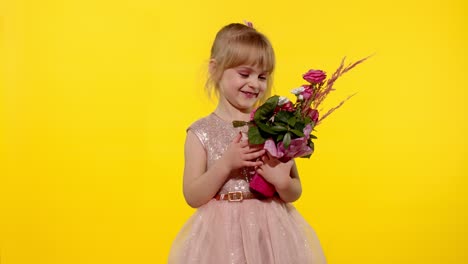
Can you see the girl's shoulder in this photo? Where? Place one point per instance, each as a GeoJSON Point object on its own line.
{"type": "Point", "coordinates": [202, 123]}
{"type": "Point", "coordinates": [211, 127]}
{"type": "Point", "coordinates": [202, 128]}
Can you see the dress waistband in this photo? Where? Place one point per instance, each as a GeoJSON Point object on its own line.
{"type": "Point", "coordinates": [236, 196]}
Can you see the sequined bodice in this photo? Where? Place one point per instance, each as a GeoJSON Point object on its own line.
{"type": "Point", "coordinates": [216, 134]}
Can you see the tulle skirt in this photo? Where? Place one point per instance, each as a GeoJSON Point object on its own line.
{"type": "Point", "coordinates": [252, 232]}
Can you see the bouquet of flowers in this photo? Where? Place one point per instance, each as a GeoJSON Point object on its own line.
{"type": "Point", "coordinates": [284, 128]}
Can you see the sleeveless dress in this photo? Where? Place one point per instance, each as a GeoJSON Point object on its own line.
{"type": "Point", "coordinates": [251, 231]}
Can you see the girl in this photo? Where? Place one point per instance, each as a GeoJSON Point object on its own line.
{"type": "Point", "coordinates": [232, 224]}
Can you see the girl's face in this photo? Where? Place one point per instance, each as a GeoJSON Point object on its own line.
{"type": "Point", "coordinates": [242, 86]}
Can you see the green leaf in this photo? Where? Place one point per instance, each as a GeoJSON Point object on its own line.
{"type": "Point", "coordinates": [279, 128]}
{"type": "Point", "coordinates": [292, 121]}
{"type": "Point", "coordinates": [312, 136]}
{"type": "Point", "coordinates": [299, 125]}
{"type": "Point", "coordinates": [283, 116]}
{"type": "Point", "coordinates": [297, 132]}
{"type": "Point", "coordinates": [255, 137]}
{"type": "Point", "coordinates": [287, 140]}
{"type": "Point", "coordinates": [239, 123]}
{"type": "Point", "coordinates": [266, 129]}
{"type": "Point", "coordinates": [265, 111]}
{"type": "Point", "coordinates": [280, 137]}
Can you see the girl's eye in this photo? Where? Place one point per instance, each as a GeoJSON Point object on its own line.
{"type": "Point", "coordinates": [245, 75]}
{"type": "Point", "coordinates": [262, 77]}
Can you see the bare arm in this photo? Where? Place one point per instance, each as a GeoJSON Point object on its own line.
{"type": "Point", "coordinates": [284, 176]}
{"type": "Point", "coordinates": [201, 184]}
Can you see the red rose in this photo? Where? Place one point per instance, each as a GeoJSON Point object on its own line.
{"type": "Point", "coordinates": [288, 107]}
{"type": "Point", "coordinates": [314, 115]}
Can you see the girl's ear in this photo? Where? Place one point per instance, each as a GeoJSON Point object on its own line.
{"type": "Point", "coordinates": [212, 66]}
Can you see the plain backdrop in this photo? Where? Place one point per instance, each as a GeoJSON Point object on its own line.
{"type": "Point", "coordinates": [95, 97]}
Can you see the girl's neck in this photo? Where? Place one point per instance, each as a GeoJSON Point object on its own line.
{"type": "Point", "coordinates": [231, 113]}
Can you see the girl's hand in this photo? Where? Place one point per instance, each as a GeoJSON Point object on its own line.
{"type": "Point", "coordinates": [239, 154]}
{"type": "Point", "coordinates": [276, 172]}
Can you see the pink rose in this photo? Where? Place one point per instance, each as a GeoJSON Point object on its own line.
{"type": "Point", "coordinates": [307, 93]}
{"type": "Point", "coordinates": [314, 76]}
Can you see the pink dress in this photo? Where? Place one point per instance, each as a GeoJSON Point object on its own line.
{"type": "Point", "coordinates": [251, 231]}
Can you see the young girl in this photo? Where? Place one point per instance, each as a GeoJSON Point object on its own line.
{"type": "Point", "coordinates": [232, 224]}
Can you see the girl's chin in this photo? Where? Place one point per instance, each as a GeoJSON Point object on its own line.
{"type": "Point", "coordinates": [247, 108]}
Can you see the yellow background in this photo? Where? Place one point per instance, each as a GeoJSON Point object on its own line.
{"type": "Point", "coordinates": [95, 97]}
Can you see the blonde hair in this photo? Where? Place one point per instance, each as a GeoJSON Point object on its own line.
{"type": "Point", "coordinates": [237, 44]}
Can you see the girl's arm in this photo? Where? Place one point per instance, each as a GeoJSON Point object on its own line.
{"type": "Point", "coordinates": [201, 185]}
{"type": "Point", "coordinates": [284, 176]}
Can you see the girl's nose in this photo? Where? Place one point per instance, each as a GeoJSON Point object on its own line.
{"type": "Point", "coordinates": [254, 83]}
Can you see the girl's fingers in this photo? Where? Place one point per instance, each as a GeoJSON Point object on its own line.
{"type": "Point", "coordinates": [253, 163]}
{"type": "Point", "coordinates": [243, 144]}
{"type": "Point", "coordinates": [253, 149]}
{"type": "Point", "coordinates": [246, 148]}
{"type": "Point", "coordinates": [260, 171]}
{"type": "Point", "coordinates": [237, 139]}
{"type": "Point", "coordinates": [254, 155]}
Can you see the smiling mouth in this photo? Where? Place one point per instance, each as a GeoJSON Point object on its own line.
{"type": "Point", "coordinates": [249, 94]}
